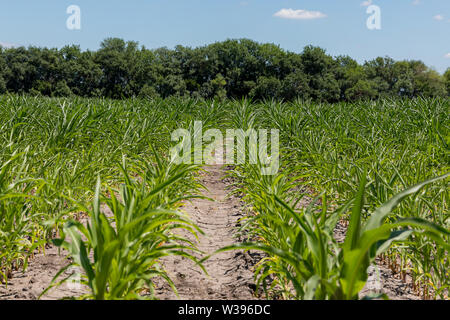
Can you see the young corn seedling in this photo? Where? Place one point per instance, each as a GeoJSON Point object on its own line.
{"type": "Point", "coordinates": [305, 256]}
{"type": "Point", "coordinates": [120, 256]}
{"type": "Point", "coordinates": [20, 230]}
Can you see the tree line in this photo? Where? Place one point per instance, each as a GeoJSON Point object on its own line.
{"type": "Point", "coordinates": [233, 68]}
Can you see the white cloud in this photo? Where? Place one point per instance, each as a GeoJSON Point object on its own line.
{"type": "Point", "coordinates": [299, 14]}
{"type": "Point", "coordinates": [447, 55]}
{"type": "Point", "coordinates": [416, 2]}
{"type": "Point", "coordinates": [366, 3]}
{"type": "Point", "coordinates": [438, 17]}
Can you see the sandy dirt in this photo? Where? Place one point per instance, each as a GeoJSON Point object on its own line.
{"type": "Point", "coordinates": [230, 276]}
{"type": "Point", "coordinates": [40, 272]}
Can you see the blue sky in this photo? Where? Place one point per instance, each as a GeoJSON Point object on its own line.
{"type": "Point", "coordinates": [410, 29]}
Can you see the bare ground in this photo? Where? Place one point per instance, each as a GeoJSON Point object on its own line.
{"type": "Point", "coordinates": [40, 272]}
{"type": "Point", "coordinates": [229, 273]}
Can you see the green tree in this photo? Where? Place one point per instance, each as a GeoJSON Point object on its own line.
{"type": "Point", "coordinates": [214, 88]}
{"type": "Point", "coordinates": [348, 74]}
{"type": "Point", "coordinates": [232, 68]}
{"type": "Point", "coordinates": [21, 73]}
{"type": "Point", "coordinates": [295, 85]}
{"type": "Point", "coordinates": [320, 69]}
{"type": "Point", "coordinates": [3, 71]}
{"type": "Point", "coordinates": [429, 84]}
{"type": "Point", "coordinates": [381, 73]}
{"type": "Point", "coordinates": [266, 88]}
{"type": "Point", "coordinates": [42, 87]}
{"type": "Point", "coordinates": [62, 89]}
{"type": "Point", "coordinates": [172, 85]}
{"type": "Point", "coordinates": [404, 79]}
{"type": "Point", "coordinates": [82, 75]}
{"type": "Point", "coordinates": [447, 81]}
{"type": "Point", "coordinates": [117, 60]}
{"type": "Point", "coordinates": [362, 90]}
{"type": "Point", "coordinates": [148, 92]}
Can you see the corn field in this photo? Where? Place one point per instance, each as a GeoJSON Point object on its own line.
{"type": "Point", "coordinates": [378, 168]}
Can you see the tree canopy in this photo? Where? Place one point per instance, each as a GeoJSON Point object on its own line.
{"type": "Point", "coordinates": [232, 68]}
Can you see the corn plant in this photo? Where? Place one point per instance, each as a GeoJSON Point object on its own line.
{"type": "Point", "coordinates": [303, 256]}
{"type": "Point", "coordinates": [401, 142]}
{"type": "Point", "coordinates": [20, 230]}
{"type": "Point", "coordinates": [120, 254]}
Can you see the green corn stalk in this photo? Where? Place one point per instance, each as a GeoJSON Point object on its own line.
{"type": "Point", "coordinates": [120, 256]}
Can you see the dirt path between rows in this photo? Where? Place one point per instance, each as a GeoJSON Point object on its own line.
{"type": "Point", "coordinates": [229, 273]}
